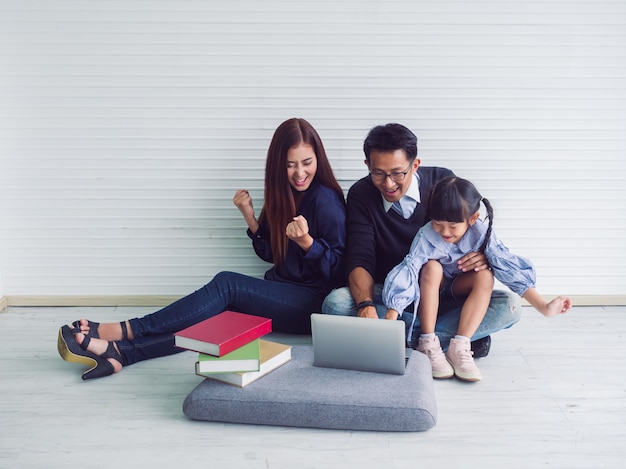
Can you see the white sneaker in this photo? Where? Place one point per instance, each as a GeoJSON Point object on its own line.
{"type": "Point", "coordinates": [431, 347]}
{"type": "Point", "coordinates": [459, 355]}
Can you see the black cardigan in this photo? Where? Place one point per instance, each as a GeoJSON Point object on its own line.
{"type": "Point", "coordinates": [379, 240]}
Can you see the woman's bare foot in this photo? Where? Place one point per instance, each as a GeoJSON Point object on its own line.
{"type": "Point", "coordinates": [108, 330]}
{"type": "Point", "coordinates": [99, 347]}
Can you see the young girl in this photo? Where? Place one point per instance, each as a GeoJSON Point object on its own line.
{"type": "Point", "coordinates": [431, 269]}
{"type": "Point", "coordinates": [301, 230]}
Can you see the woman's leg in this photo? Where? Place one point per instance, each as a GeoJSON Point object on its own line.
{"type": "Point", "coordinates": [133, 351]}
{"type": "Point", "coordinates": [107, 331]}
{"type": "Point", "coordinates": [145, 348]}
{"type": "Point", "coordinates": [289, 306]}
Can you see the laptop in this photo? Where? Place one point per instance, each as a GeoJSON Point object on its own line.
{"type": "Point", "coordinates": [354, 343]}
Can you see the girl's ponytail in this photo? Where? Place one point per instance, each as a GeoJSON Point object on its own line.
{"type": "Point", "coordinates": [489, 228]}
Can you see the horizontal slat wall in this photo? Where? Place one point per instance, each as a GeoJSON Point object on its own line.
{"type": "Point", "coordinates": [126, 127]}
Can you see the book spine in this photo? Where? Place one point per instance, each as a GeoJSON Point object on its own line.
{"type": "Point", "coordinates": [197, 346]}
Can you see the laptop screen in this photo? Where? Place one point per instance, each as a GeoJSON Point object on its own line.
{"type": "Point", "coordinates": [354, 343]}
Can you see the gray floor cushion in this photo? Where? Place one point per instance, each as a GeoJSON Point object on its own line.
{"type": "Point", "coordinates": [299, 394]}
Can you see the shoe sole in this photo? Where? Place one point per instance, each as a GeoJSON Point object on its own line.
{"type": "Point", "coordinates": [441, 374]}
{"type": "Point", "coordinates": [464, 377]}
{"type": "Point", "coordinates": [470, 379]}
{"type": "Point", "coordinates": [65, 350]}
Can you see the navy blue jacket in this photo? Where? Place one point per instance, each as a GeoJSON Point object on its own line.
{"type": "Point", "coordinates": [321, 268]}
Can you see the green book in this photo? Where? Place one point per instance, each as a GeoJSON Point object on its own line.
{"type": "Point", "coordinates": [245, 358]}
{"type": "Point", "coordinates": [273, 355]}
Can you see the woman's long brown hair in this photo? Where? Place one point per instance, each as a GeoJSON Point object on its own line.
{"type": "Point", "coordinates": [280, 205]}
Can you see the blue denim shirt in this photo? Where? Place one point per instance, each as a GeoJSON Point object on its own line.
{"type": "Point", "coordinates": [401, 286]}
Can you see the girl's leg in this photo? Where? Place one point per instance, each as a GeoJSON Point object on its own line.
{"type": "Point", "coordinates": [430, 281]}
{"type": "Point", "coordinates": [477, 287]}
{"type": "Point", "coordinates": [431, 277]}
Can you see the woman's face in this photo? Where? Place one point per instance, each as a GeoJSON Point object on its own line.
{"type": "Point", "coordinates": [301, 166]}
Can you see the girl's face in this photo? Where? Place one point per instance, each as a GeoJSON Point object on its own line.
{"type": "Point", "coordinates": [452, 232]}
{"type": "Point", "coordinates": [301, 166]}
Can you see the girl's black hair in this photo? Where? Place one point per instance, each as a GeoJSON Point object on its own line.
{"type": "Point", "coordinates": [455, 200]}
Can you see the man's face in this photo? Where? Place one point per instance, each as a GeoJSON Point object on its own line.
{"type": "Point", "coordinates": [387, 168]}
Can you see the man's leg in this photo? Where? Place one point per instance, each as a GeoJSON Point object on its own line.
{"type": "Point", "coordinates": [339, 302]}
{"type": "Point", "coordinates": [505, 309]}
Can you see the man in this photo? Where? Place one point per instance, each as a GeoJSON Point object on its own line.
{"type": "Point", "coordinates": [384, 212]}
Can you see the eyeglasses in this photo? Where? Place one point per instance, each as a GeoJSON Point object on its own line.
{"type": "Point", "coordinates": [395, 176]}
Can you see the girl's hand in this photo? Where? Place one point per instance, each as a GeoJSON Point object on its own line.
{"type": "Point", "coordinates": [298, 231]}
{"type": "Point", "coordinates": [392, 314]}
{"type": "Point", "coordinates": [559, 305]}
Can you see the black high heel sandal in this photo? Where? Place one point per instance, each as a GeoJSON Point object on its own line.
{"type": "Point", "coordinates": [93, 329]}
{"type": "Point", "coordinates": [72, 351]}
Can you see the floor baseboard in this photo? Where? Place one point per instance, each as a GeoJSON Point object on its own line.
{"type": "Point", "coordinates": [127, 300]}
{"type": "Point", "coordinates": [155, 300]}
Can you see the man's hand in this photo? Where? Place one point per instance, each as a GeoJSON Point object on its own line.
{"type": "Point", "coordinates": [474, 261]}
{"type": "Point", "coordinates": [368, 312]}
{"type": "Point", "coordinates": [362, 289]}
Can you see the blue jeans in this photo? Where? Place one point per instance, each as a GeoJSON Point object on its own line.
{"type": "Point", "coordinates": [504, 311]}
{"type": "Point", "coordinates": [288, 305]}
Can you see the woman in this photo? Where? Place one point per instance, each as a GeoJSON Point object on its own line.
{"type": "Point", "coordinates": [301, 230]}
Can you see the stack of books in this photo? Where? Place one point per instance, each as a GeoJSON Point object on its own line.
{"type": "Point", "coordinates": [231, 349]}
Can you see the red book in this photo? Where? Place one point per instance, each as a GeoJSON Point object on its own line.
{"type": "Point", "coordinates": [223, 333]}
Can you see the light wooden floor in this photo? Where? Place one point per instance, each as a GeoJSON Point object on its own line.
{"type": "Point", "coordinates": [553, 395]}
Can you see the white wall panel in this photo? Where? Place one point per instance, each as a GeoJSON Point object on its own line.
{"type": "Point", "coordinates": [126, 127]}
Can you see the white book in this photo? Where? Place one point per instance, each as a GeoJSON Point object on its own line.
{"type": "Point", "coordinates": [273, 355]}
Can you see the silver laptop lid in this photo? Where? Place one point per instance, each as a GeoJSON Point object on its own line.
{"type": "Point", "coordinates": [354, 343]}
